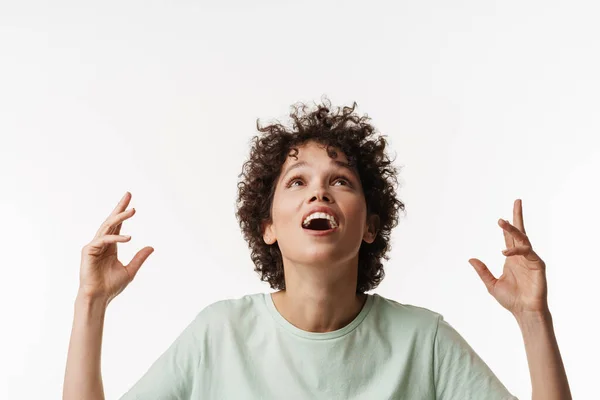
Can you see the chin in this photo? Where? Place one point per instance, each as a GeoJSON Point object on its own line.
{"type": "Point", "coordinates": [320, 255]}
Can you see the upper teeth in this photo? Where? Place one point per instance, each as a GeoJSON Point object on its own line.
{"type": "Point", "coordinates": [320, 215]}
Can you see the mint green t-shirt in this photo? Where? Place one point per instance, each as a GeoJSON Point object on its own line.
{"type": "Point", "coordinates": [244, 349]}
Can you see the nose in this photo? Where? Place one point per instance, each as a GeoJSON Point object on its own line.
{"type": "Point", "coordinates": [320, 194]}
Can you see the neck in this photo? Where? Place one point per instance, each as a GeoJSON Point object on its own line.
{"type": "Point", "coordinates": [319, 302]}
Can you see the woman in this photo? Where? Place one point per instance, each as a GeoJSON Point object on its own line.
{"type": "Point", "coordinates": [317, 205]}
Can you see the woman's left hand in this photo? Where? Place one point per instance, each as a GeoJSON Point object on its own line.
{"type": "Point", "coordinates": [522, 287]}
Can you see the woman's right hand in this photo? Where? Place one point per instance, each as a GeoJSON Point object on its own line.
{"type": "Point", "coordinates": [101, 275]}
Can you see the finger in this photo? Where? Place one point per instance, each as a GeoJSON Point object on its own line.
{"type": "Point", "coordinates": [118, 229]}
{"type": "Point", "coordinates": [518, 215]}
{"type": "Point", "coordinates": [508, 240]}
{"type": "Point", "coordinates": [113, 224]}
{"type": "Point", "coordinates": [136, 263]}
{"type": "Point", "coordinates": [514, 232]}
{"type": "Point", "coordinates": [121, 206]}
{"type": "Point", "coordinates": [517, 250]}
{"type": "Point", "coordinates": [484, 273]}
{"type": "Point", "coordinates": [525, 251]}
{"type": "Point", "coordinates": [97, 246]}
{"type": "Point", "coordinates": [125, 215]}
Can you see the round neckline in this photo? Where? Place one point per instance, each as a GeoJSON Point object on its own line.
{"type": "Point", "coordinates": [288, 326]}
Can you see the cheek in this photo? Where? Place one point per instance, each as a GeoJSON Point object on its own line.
{"type": "Point", "coordinates": [356, 217]}
{"type": "Point", "coordinates": [285, 212]}
{"type": "Point", "coordinates": [357, 208]}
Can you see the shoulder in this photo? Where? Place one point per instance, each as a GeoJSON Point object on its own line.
{"type": "Point", "coordinates": [234, 305]}
{"type": "Point", "coordinates": [224, 312]}
{"type": "Point", "coordinates": [406, 316]}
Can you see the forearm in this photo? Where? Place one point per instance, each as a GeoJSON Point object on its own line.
{"type": "Point", "coordinates": [548, 376]}
{"type": "Point", "coordinates": [83, 378]}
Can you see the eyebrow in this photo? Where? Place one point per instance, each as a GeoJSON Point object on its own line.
{"type": "Point", "coordinates": [304, 163]}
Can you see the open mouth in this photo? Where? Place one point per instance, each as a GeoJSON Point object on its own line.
{"type": "Point", "coordinates": [319, 224]}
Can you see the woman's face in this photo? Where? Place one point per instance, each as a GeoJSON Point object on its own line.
{"type": "Point", "coordinates": [312, 180]}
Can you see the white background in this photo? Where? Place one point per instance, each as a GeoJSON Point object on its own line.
{"type": "Point", "coordinates": [483, 102]}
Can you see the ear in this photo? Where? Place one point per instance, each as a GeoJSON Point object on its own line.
{"type": "Point", "coordinates": [372, 229]}
{"type": "Point", "coordinates": [268, 233]}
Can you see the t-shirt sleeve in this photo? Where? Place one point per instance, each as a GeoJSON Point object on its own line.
{"type": "Point", "coordinates": [171, 376]}
{"type": "Point", "coordinates": [459, 373]}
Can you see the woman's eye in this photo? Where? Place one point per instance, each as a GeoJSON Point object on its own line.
{"type": "Point", "coordinates": [294, 180]}
{"type": "Point", "coordinates": [343, 179]}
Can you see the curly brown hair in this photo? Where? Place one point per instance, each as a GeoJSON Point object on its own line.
{"type": "Point", "coordinates": [342, 130]}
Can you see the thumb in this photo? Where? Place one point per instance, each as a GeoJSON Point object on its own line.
{"type": "Point", "coordinates": [137, 261]}
{"type": "Point", "coordinates": [484, 273]}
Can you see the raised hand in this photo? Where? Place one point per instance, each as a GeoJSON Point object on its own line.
{"type": "Point", "coordinates": [101, 274]}
{"type": "Point", "coordinates": [522, 287]}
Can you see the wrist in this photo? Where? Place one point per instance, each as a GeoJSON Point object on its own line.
{"type": "Point", "coordinates": [533, 318]}
{"type": "Point", "coordinates": [89, 300]}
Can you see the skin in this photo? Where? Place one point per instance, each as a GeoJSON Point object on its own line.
{"type": "Point", "coordinates": [101, 278]}
{"type": "Point", "coordinates": [320, 272]}
{"type": "Point", "coordinates": [523, 290]}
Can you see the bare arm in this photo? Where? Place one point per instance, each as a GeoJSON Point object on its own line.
{"type": "Point", "coordinates": [101, 278]}
{"type": "Point", "coordinates": [523, 290]}
{"type": "Point", "coordinates": [83, 378]}
{"type": "Point", "coordinates": [548, 376]}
